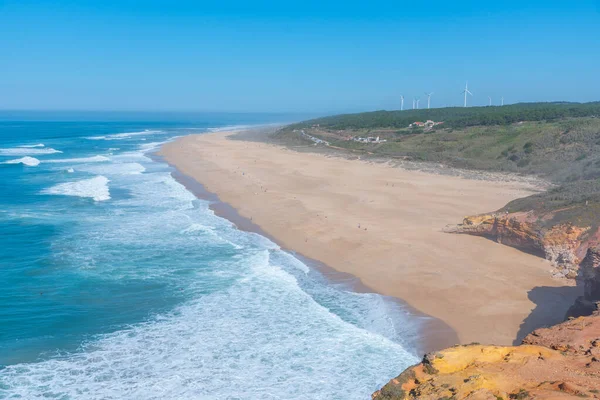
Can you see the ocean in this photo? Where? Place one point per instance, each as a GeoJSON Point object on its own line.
{"type": "Point", "coordinates": [118, 283]}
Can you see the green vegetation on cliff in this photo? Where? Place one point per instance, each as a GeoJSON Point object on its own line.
{"type": "Point", "coordinates": [566, 196]}
{"type": "Point", "coordinates": [575, 202]}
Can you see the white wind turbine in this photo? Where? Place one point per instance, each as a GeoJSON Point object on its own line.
{"type": "Point", "coordinates": [414, 102]}
{"type": "Point", "coordinates": [502, 100]}
{"type": "Point", "coordinates": [466, 91]}
{"type": "Point", "coordinates": [490, 99]}
{"type": "Point", "coordinates": [428, 99]}
{"type": "Point", "coordinates": [401, 103]}
{"type": "Point", "coordinates": [418, 100]}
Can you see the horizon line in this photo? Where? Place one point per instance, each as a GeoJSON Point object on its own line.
{"type": "Point", "coordinates": [174, 111]}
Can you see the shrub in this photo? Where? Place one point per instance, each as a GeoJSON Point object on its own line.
{"type": "Point", "coordinates": [521, 395]}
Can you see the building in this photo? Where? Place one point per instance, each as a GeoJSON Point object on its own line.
{"type": "Point", "coordinates": [429, 124]}
{"type": "Point", "coordinates": [369, 139]}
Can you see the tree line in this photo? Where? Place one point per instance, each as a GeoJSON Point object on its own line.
{"type": "Point", "coordinates": [458, 117]}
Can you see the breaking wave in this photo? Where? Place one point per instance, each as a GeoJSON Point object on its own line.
{"type": "Point", "coordinates": [25, 151]}
{"type": "Point", "coordinates": [261, 338]}
{"type": "Point", "coordinates": [95, 188]}
{"type": "Point", "coordinates": [124, 135]}
{"type": "Point", "coordinates": [125, 168]}
{"type": "Point", "coordinates": [80, 160]}
{"type": "Point", "coordinates": [29, 161]}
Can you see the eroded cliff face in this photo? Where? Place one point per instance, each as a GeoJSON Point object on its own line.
{"type": "Point", "coordinates": [562, 362]}
{"type": "Point", "coordinates": [589, 275]}
{"type": "Point", "coordinates": [564, 244]}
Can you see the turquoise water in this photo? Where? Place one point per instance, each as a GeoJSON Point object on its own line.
{"type": "Point", "coordinates": [116, 282]}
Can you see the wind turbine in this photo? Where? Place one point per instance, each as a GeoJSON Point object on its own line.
{"type": "Point", "coordinates": [490, 99]}
{"type": "Point", "coordinates": [418, 100]}
{"type": "Point", "coordinates": [502, 100]}
{"type": "Point", "coordinates": [414, 102]}
{"type": "Point", "coordinates": [428, 99]}
{"type": "Point", "coordinates": [401, 103]}
{"type": "Point", "coordinates": [466, 91]}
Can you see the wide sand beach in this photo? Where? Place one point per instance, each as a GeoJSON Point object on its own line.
{"type": "Point", "coordinates": [384, 224]}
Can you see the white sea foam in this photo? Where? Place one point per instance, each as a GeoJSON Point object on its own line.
{"type": "Point", "coordinates": [125, 168]}
{"type": "Point", "coordinates": [70, 170]}
{"type": "Point", "coordinates": [29, 161]}
{"type": "Point", "coordinates": [32, 145]}
{"type": "Point", "coordinates": [263, 338]}
{"type": "Point", "coordinates": [25, 151]}
{"type": "Point", "coordinates": [95, 188]}
{"type": "Point", "coordinates": [255, 323]}
{"type": "Point", "coordinates": [196, 228]}
{"type": "Point", "coordinates": [92, 159]}
{"type": "Point", "coordinates": [124, 135]}
{"type": "Point", "coordinates": [147, 147]}
{"type": "Point", "coordinates": [231, 128]}
{"type": "Point", "coordinates": [193, 228]}
{"type": "Point", "coordinates": [241, 127]}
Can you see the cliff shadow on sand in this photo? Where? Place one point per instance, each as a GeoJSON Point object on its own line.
{"type": "Point", "coordinates": [551, 307]}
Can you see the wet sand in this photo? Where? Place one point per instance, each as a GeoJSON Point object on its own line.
{"type": "Point", "coordinates": [383, 225]}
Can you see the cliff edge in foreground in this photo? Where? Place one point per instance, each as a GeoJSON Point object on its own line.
{"type": "Point", "coordinates": [562, 362]}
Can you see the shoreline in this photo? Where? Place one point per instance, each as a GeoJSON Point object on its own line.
{"type": "Point", "coordinates": [432, 333]}
{"type": "Point", "coordinates": [481, 299]}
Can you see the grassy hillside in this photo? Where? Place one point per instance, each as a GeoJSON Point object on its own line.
{"type": "Point", "coordinates": [576, 202]}
{"type": "Point", "coordinates": [562, 150]}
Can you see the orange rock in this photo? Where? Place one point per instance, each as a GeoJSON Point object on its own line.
{"type": "Point", "coordinates": [532, 370]}
{"type": "Point", "coordinates": [563, 244]}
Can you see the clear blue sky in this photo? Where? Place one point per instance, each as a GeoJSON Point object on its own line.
{"type": "Point", "coordinates": [305, 56]}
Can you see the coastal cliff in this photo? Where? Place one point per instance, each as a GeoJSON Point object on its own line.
{"type": "Point", "coordinates": [561, 225]}
{"type": "Point", "coordinates": [564, 244]}
{"type": "Point", "coordinates": [560, 362]}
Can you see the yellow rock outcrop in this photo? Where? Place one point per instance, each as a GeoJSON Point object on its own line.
{"type": "Point", "coordinates": [561, 362]}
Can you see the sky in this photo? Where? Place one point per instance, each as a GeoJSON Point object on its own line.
{"type": "Point", "coordinates": [294, 56]}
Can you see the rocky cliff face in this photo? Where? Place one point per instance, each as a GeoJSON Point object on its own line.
{"type": "Point", "coordinates": [574, 250]}
{"type": "Point", "coordinates": [564, 244]}
{"type": "Point", "coordinates": [562, 362]}
{"type": "Point", "coordinates": [560, 224]}
{"type": "Point", "coordinates": [589, 275]}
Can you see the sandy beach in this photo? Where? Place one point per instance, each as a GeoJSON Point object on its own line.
{"type": "Point", "coordinates": [384, 225]}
